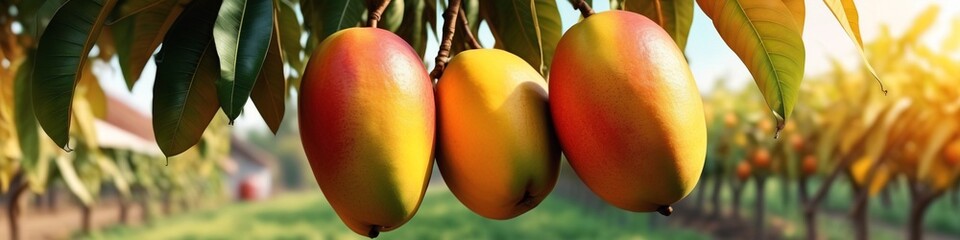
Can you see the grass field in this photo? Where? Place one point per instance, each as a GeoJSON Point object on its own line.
{"type": "Point", "coordinates": [307, 216]}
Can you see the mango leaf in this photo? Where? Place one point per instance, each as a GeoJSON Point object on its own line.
{"type": "Point", "coordinates": [799, 11]}
{"type": "Point", "coordinates": [392, 17]}
{"type": "Point", "coordinates": [116, 175]}
{"type": "Point", "coordinates": [922, 24]}
{"type": "Point", "coordinates": [269, 92]}
{"type": "Point", "coordinates": [34, 164]}
{"type": "Point", "coordinates": [185, 93]}
{"type": "Point", "coordinates": [139, 35]}
{"type": "Point", "coordinates": [94, 93]}
{"type": "Point", "coordinates": [767, 39]}
{"type": "Point", "coordinates": [846, 13]}
{"type": "Point", "coordinates": [61, 55]}
{"type": "Point", "coordinates": [35, 15]}
{"type": "Point", "coordinates": [69, 175]}
{"type": "Point", "coordinates": [530, 30]}
{"type": "Point", "coordinates": [26, 123]}
{"type": "Point", "coordinates": [85, 132]}
{"type": "Point", "coordinates": [323, 18]}
{"type": "Point", "coordinates": [290, 36]}
{"type": "Point", "coordinates": [242, 35]}
{"type": "Point", "coordinates": [415, 25]}
{"type": "Point", "coordinates": [675, 16]}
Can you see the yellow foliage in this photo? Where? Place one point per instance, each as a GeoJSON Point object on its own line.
{"type": "Point", "coordinates": [860, 170]}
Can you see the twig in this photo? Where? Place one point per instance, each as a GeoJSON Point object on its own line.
{"type": "Point", "coordinates": [376, 11]}
{"type": "Point", "coordinates": [450, 27]}
{"type": "Point", "coordinates": [471, 40]}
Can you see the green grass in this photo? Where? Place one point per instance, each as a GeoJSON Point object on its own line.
{"type": "Point", "coordinates": [441, 216]}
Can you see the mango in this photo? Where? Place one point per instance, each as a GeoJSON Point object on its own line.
{"type": "Point", "coordinates": [367, 122]}
{"type": "Point", "coordinates": [497, 149]}
{"type": "Point", "coordinates": [627, 111]}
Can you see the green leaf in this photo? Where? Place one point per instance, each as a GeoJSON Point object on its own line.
{"type": "Point", "coordinates": [767, 39]}
{"type": "Point", "coordinates": [530, 30]}
{"type": "Point", "coordinates": [323, 18]}
{"type": "Point", "coordinates": [675, 16]}
{"type": "Point", "coordinates": [138, 36]}
{"type": "Point", "coordinates": [415, 25]}
{"type": "Point", "coordinates": [35, 15]}
{"type": "Point", "coordinates": [392, 17]}
{"type": "Point", "coordinates": [26, 123]}
{"type": "Point", "coordinates": [846, 13]}
{"type": "Point", "coordinates": [290, 36]}
{"type": "Point", "coordinates": [185, 91]}
{"type": "Point", "coordinates": [269, 91]}
{"type": "Point", "coordinates": [242, 35]}
{"type": "Point", "coordinates": [61, 55]}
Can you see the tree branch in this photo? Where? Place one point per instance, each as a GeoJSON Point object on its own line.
{"type": "Point", "coordinates": [449, 28]}
{"type": "Point", "coordinates": [468, 34]}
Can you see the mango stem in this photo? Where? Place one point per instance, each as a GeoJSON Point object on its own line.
{"type": "Point", "coordinates": [376, 11]}
{"type": "Point", "coordinates": [584, 8]}
{"type": "Point", "coordinates": [449, 27]}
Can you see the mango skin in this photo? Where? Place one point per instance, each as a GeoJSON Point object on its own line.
{"type": "Point", "coordinates": [627, 111]}
{"type": "Point", "coordinates": [367, 122]}
{"type": "Point", "coordinates": [498, 153]}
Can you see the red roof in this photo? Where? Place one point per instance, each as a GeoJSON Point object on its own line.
{"type": "Point", "coordinates": [123, 116]}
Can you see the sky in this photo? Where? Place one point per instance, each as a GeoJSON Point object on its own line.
{"type": "Point", "coordinates": [710, 59]}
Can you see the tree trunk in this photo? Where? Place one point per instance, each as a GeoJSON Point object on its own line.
{"type": "Point", "coordinates": [13, 209]}
{"type": "Point", "coordinates": [809, 217]}
{"type": "Point", "coordinates": [858, 216]}
{"type": "Point", "coordinates": [919, 203]}
{"type": "Point", "coordinates": [146, 213]}
{"type": "Point", "coordinates": [52, 199]}
{"type": "Point", "coordinates": [737, 199]}
{"type": "Point", "coordinates": [885, 198]}
{"type": "Point", "coordinates": [715, 195]}
{"type": "Point", "coordinates": [166, 204]}
{"type": "Point", "coordinates": [87, 216]}
{"type": "Point", "coordinates": [701, 191]}
{"type": "Point", "coordinates": [124, 211]}
{"type": "Point", "coordinates": [759, 211]}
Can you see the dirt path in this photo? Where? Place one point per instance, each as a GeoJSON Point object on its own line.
{"type": "Point", "coordinates": [38, 224]}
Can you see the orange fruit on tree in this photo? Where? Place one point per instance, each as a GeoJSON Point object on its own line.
{"type": "Point", "coordinates": [797, 142]}
{"type": "Point", "coordinates": [809, 165]}
{"type": "Point", "coordinates": [951, 153]}
{"type": "Point", "coordinates": [744, 170]}
{"type": "Point", "coordinates": [627, 111]}
{"type": "Point", "coordinates": [498, 153]}
{"type": "Point", "coordinates": [761, 158]}
{"type": "Point", "coordinates": [730, 120]}
{"type": "Point", "coordinates": [367, 122]}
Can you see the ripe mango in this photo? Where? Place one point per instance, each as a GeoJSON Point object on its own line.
{"type": "Point", "coordinates": [497, 149]}
{"type": "Point", "coordinates": [627, 111]}
{"type": "Point", "coordinates": [367, 122]}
